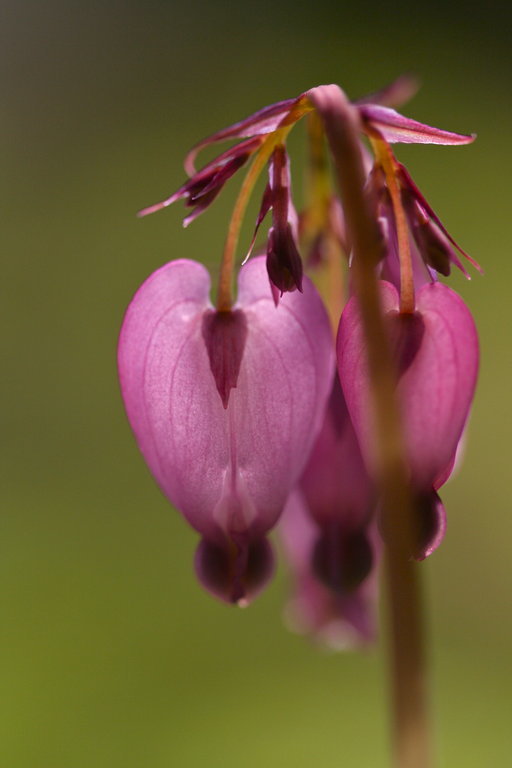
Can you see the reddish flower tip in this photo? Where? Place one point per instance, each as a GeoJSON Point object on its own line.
{"type": "Point", "coordinates": [342, 559]}
{"type": "Point", "coordinates": [234, 572]}
{"type": "Point", "coordinates": [224, 335]}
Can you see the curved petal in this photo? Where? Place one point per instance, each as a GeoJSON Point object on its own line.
{"type": "Point", "coordinates": [437, 375]}
{"type": "Point", "coordinates": [169, 392]}
{"type": "Point", "coordinates": [394, 127]}
{"type": "Point", "coordinates": [260, 123]}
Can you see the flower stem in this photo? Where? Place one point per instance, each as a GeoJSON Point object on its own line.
{"type": "Point", "coordinates": [385, 157]}
{"type": "Point", "coordinates": [407, 659]}
{"type": "Point", "coordinates": [328, 276]}
{"type": "Point", "coordinates": [225, 294]}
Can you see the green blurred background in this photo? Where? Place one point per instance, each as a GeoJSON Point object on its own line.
{"type": "Point", "coordinates": [111, 654]}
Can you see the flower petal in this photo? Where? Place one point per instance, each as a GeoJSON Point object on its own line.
{"type": "Point", "coordinates": [394, 127]}
{"type": "Point", "coordinates": [260, 123]}
{"type": "Point", "coordinates": [335, 483]}
{"type": "Point", "coordinates": [410, 187]}
{"type": "Point", "coordinates": [437, 380]}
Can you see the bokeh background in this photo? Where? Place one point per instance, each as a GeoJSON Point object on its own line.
{"type": "Point", "coordinates": [111, 655]}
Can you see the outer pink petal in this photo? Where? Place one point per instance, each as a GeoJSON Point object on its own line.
{"type": "Point", "coordinates": [436, 389]}
{"type": "Point", "coordinates": [394, 127]}
{"type": "Point", "coordinates": [170, 398]}
{"type": "Point", "coordinates": [231, 469]}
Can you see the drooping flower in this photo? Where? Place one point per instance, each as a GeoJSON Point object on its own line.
{"type": "Point", "coordinates": [340, 620]}
{"type": "Point", "coordinates": [435, 352]}
{"type": "Point", "coordinates": [225, 407]}
{"type": "Point", "coordinates": [231, 383]}
{"type": "Point", "coordinates": [328, 533]}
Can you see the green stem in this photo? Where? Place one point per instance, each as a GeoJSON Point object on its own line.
{"type": "Point", "coordinates": [224, 295]}
{"type": "Point", "coordinates": [411, 734]}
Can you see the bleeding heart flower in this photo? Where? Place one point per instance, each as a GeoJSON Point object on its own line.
{"type": "Point", "coordinates": [337, 618]}
{"type": "Point", "coordinates": [225, 407]}
{"type": "Point", "coordinates": [435, 350]}
{"type": "Point", "coordinates": [328, 534]}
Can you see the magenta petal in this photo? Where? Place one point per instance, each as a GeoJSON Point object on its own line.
{"type": "Point", "coordinates": [229, 471]}
{"type": "Point", "coordinates": [260, 123]}
{"type": "Point", "coordinates": [437, 380]}
{"type": "Point", "coordinates": [409, 185]}
{"type": "Point", "coordinates": [335, 483]}
{"type": "Point", "coordinates": [394, 127]}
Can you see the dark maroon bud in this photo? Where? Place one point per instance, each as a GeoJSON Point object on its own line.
{"type": "Point", "coordinates": [342, 559]}
{"type": "Point", "coordinates": [284, 265]}
{"type": "Point", "coordinates": [234, 572]}
{"type": "Point", "coordinates": [224, 334]}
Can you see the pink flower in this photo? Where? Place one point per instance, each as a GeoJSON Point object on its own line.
{"type": "Point", "coordinates": [225, 407]}
{"type": "Point", "coordinates": [435, 350]}
{"type": "Point", "coordinates": [327, 530]}
{"type": "Point", "coordinates": [338, 619]}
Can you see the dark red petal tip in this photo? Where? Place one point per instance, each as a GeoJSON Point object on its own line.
{"type": "Point", "coordinates": [224, 334]}
{"type": "Point", "coordinates": [429, 524]}
{"type": "Point", "coordinates": [234, 572]}
{"type": "Point", "coordinates": [284, 264]}
{"type": "Point", "coordinates": [342, 559]}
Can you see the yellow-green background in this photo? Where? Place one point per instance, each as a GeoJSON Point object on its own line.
{"type": "Point", "coordinates": [111, 655]}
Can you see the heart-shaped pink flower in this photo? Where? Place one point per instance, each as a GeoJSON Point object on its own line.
{"type": "Point", "coordinates": [435, 350]}
{"type": "Point", "coordinates": [225, 408]}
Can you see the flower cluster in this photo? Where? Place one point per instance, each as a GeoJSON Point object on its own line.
{"type": "Point", "coordinates": [257, 411]}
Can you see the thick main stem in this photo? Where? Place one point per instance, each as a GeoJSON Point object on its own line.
{"type": "Point", "coordinates": [407, 656]}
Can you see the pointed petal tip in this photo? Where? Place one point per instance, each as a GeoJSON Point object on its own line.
{"type": "Point", "coordinates": [153, 208]}
{"type": "Point", "coordinates": [396, 128]}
